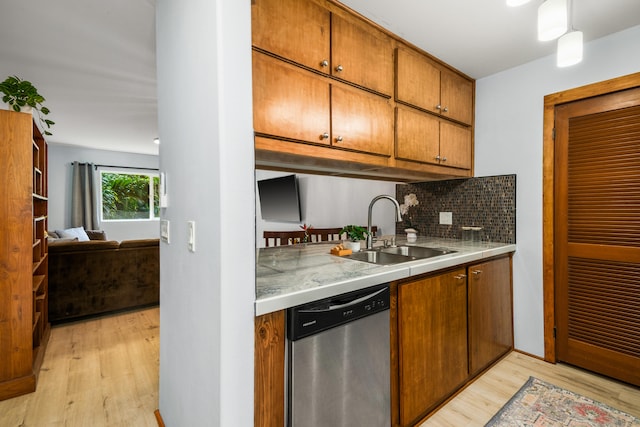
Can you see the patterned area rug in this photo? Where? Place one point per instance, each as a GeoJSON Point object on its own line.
{"type": "Point", "coordinates": [541, 404]}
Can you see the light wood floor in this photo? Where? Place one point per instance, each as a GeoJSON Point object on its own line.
{"type": "Point", "coordinates": [104, 372]}
{"type": "Point", "coordinates": [475, 405]}
{"type": "Point", "coordinates": [101, 372]}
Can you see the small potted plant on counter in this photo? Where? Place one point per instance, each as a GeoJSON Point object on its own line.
{"type": "Point", "coordinates": [355, 234]}
{"type": "Point", "coordinates": [21, 96]}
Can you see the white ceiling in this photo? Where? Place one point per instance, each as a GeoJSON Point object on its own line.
{"type": "Point", "coordinates": [94, 60]}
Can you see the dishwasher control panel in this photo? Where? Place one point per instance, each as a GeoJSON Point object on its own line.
{"type": "Point", "coordinates": [309, 319]}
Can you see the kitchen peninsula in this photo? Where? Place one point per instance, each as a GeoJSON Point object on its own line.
{"type": "Point", "coordinates": [455, 307]}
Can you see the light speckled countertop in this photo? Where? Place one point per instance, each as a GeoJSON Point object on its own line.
{"type": "Point", "coordinates": [287, 276]}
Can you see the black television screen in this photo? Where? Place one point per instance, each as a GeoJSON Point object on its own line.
{"type": "Point", "coordinates": [279, 199]}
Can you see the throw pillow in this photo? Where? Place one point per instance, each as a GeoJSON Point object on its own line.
{"type": "Point", "coordinates": [96, 234]}
{"type": "Point", "coordinates": [74, 232]}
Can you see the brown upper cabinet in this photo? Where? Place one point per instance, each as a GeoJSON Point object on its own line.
{"type": "Point", "coordinates": [361, 54]}
{"type": "Point", "coordinates": [337, 45]}
{"type": "Point", "coordinates": [296, 30]}
{"type": "Point", "coordinates": [292, 103]}
{"type": "Point", "coordinates": [432, 87]}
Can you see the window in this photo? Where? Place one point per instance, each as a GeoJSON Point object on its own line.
{"type": "Point", "coordinates": [129, 195]}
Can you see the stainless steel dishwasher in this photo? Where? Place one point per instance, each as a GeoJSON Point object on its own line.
{"type": "Point", "coordinates": [339, 361]}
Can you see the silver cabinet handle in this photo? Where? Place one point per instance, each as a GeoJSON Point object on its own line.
{"type": "Point", "coordinates": [444, 159]}
{"type": "Point", "coordinates": [338, 139]}
{"type": "Point", "coordinates": [438, 157]}
{"type": "Point", "coordinates": [476, 272]}
{"type": "Point", "coordinates": [324, 63]}
{"type": "Point", "coordinates": [324, 136]}
{"type": "Point", "coordinates": [339, 68]}
{"type": "Point", "coordinates": [460, 276]}
{"type": "Point", "coordinates": [446, 109]}
{"type": "Point", "coordinates": [438, 107]}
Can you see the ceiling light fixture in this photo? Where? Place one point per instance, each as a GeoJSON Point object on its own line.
{"type": "Point", "coordinates": [570, 45]}
{"type": "Point", "coordinates": [552, 19]}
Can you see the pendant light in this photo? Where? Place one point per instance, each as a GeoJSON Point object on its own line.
{"type": "Point", "coordinates": [570, 49]}
{"type": "Point", "coordinates": [552, 19]}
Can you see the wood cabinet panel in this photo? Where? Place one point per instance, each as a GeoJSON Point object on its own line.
{"type": "Point", "coordinates": [422, 137]}
{"type": "Point", "coordinates": [456, 96]}
{"type": "Point", "coordinates": [289, 102]}
{"type": "Point", "coordinates": [432, 335]}
{"type": "Point", "coordinates": [417, 136]}
{"type": "Point", "coordinates": [490, 312]}
{"type": "Point", "coordinates": [361, 121]}
{"type": "Point", "coordinates": [361, 54]}
{"type": "Point", "coordinates": [427, 85]}
{"type": "Point", "coordinates": [417, 80]}
{"type": "Point", "coordinates": [293, 29]}
{"type": "Point", "coordinates": [455, 145]}
{"type": "Point", "coordinates": [269, 394]}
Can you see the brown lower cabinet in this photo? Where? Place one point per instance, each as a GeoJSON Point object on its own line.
{"type": "Point", "coordinates": [446, 328]}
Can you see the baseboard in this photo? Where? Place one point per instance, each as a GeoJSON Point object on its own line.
{"type": "Point", "coordinates": [530, 355]}
{"type": "Point", "coordinates": [159, 418]}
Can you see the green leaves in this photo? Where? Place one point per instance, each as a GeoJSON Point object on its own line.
{"type": "Point", "coordinates": [20, 93]}
{"type": "Point", "coordinates": [354, 232]}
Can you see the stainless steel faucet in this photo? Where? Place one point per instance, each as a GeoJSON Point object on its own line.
{"type": "Point", "coordinates": [375, 199]}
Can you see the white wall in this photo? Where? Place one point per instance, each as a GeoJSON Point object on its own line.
{"type": "Point", "coordinates": [328, 202]}
{"type": "Point", "coordinates": [60, 159]}
{"type": "Point", "coordinates": [508, 139]}
{"type": "Point", "coordinates": [206, 297]}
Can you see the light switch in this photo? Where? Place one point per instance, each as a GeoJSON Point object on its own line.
{"type": "Point", "coordinates": [191, 235]}
{"type": "Point", "coordinates": [164, 230]}
{"type": "Point", "coordinates": [446, 218]}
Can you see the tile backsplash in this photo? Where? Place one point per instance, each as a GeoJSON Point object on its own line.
{"type": "Point", "coordinates": [487, 202]}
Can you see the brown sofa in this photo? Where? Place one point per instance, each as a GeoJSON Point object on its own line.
{"type": "Point", "coordinates": [101, 276]}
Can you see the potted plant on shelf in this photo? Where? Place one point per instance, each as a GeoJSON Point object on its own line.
{"type": "Point", "coordinates": [21, 96]}
{"type": "Point", "coordinates": [355, 234]}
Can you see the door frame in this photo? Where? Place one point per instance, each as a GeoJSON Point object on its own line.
{"type": "Point", "coordinates": [548, 173]}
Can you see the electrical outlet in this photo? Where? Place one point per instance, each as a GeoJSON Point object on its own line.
{"type": "Point", "coordinates": [446, 218]}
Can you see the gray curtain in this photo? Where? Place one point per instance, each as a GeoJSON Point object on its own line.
{"type": "Point", "coordinates": [84, 210]}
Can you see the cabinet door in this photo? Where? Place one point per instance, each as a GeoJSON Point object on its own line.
{"type": "Point", "coordinates": [417, 136]}
{"type": "Point", "coordinates": [289, 102]}
{"type": "Point", "coordinates": [432, 334]}
{"type": "Point", "coordinates": [418, 80]}
{"type": "Point", "coordinates": [361, 54]}
{"type": "Point", "coordinates": [490, 312]}
{"type": "Point", "coordinates": [298, 30]}
{"type": "Point", "coordinates": [361, 121]}
{"type": "Point", "coordinates": [456, 97]}
{"type": "Point", "coordinates": [455, 145]}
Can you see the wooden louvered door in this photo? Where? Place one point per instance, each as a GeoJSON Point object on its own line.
{"type": "Point", "coordinates": [597, 234]}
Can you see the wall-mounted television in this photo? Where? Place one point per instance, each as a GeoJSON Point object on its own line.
{"type": "Point", "coordinates": [279, 199]}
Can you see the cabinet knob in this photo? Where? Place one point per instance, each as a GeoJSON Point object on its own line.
{"type": "Point", "coordinates": [324, 63]}
{"type": "Point", "coordinates": [445, 109]}
{"type": "Point", "coordinates": [438, 157]}
{"type": "Point", "coordinates": [444, 159]}
{"type": "Point", "coordinates": [324, 136]}
{"type": "Point", "coordinates": [338, 139]}
{"type": "Point", "coordinates": [339, 68]}
{"type": "Point", "coordinates": [438, 107]}
{"type": "Point", "coordinates": [476, 272]}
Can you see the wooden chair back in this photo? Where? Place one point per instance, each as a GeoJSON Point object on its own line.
{"type": "Point", "coordinates": [315, 235]}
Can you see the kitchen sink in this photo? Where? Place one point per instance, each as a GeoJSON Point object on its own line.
{"type": "Point", "coordinates": [417, 251]}
{"type": "Point", "coordinates": [388, 256]}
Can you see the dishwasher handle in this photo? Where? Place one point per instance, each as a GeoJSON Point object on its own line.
{"type": "Point", "coordinates": [310, 319]}
{"type": "Point", "coordinates": [341, 304]}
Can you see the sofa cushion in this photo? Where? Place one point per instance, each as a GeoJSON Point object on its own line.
{"type": "Point", "coordinates": [74, 232]}
{"type": "Point", "coordinates": [84, 246]}
{"type": "Point", "coordinates": [139, 243]}
{"type": "Point", "coordinates": [96, 234]}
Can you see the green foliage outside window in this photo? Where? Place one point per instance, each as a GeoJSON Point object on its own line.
{"type": "Point", "coordinates": [126, 196]}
